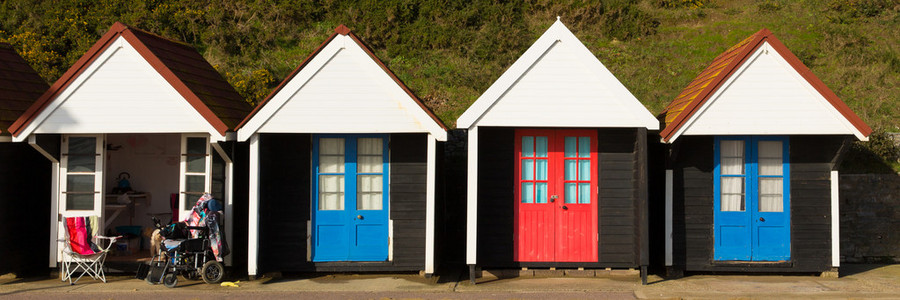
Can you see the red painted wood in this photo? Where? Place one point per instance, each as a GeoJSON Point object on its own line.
{"type": "Point", "coordinates": [555, 230]}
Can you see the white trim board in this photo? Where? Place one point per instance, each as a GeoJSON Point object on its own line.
{"type": "Point", "coordinates": [119, 92]}
{"type": "Point", "coordinates": [558, 82]}
{"type": "Point", "coordinates": [341, 90]}
{"type": "Point", "coordinates": [767, 96]}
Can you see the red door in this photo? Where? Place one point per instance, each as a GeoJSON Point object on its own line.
{"type": "Point", "coordinates": [556, 195]}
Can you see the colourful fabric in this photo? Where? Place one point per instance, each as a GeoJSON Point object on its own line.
{"type": "Point", "coordinates": [79, 239]}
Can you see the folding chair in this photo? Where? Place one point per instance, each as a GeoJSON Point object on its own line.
{"type": "Point", "coordinates": [81, 253]}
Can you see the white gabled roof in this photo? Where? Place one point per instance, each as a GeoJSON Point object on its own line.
{"type": "Point", "coordinates": [342, 88]}
{"type": "Point", "coordinates": [557, 82]}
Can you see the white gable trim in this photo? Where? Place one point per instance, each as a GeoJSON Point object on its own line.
{"type": "Point", "coordinates": [120, 44]}
{"type": "Point", "coordinates": [338, 44]}
{"type": "Point", "coordinates": [556, 33]}
{"type": "Point", "coordinates": [767, 50]}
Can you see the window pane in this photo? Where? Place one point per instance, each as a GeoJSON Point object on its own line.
{"type": "Point", "coordinates": [541, 192]}
{"type": "Point", "coordinates": [81, 163]}
{"type": "Point", "coordinates": [541, 169]}
{"type": "Point", "coordinates": [732, 194]}
{"type": "Point", "coordinates": [584, 193]}
{"type": "Point", "coordinates": [82, 145]}
{"type": "Point", "coordinates": [332, 146]}
{"type": "Point", "coordinates": [80, 202]}
{"type": "Point", "coordinates": [196, 164]}
{"type": "Point", "coordinates": [571, 169]}
{"type": "Point", "coordinates": [584, 146]}
{"type": "Point", "coordinates": [570, 147]}
{"type": "Point", "coordinates": [732, 157]}
{"type": "Point", "coordinates": [527, 192]}
{"type": "Point", "coordinates": [370, 146]}
{"type": "Point", "coordinates": [541, 146]}
{"type": "Point", "coordinates": [370, 192]}
{"type": "Point", "coordinates": [528, 169]}
{"type": "Point", "coordinates": [770, 157]}
{"type": "Point", "coordinates": [571, 192]}
{"type": "Point", "coordinates": [527, 146]}
{"type": "Point", "coordinates": [195, 183]}
{"type": "Point", "coordinates": [80, 183]}
{"type": "Point", "coordinates": [584, 169]}
{"type": "Point", "coordinates": [370, 164]}
{"type": "Point", "coordinates": [331, 192]}
{"type": "Point", "coordinates": [196, 145]}
{"type": "Point", "coordinates": [370, 155]}
{"type": "Point", "coordinates": [770, 194]}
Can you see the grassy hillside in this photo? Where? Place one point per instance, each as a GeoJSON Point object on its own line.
{"type": "Point", "coordinates": [449, 52]}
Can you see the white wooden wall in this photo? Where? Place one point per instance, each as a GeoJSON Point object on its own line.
{"type": "Point", "coordinates": [767, 96]}
{"type": "Point", "coordinates": [560, 91]}
{"type": "Point", "coordinates": [120, 93]}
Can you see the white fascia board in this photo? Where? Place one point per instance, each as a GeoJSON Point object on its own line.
{"type": "Point", "coordinates": [556, 33]}
{"type": "Point", "coordinates": [289, 90]}
{"type": "Point", "coordinates": [120, 44]}
{"type": "Point", "coordinates": [345, 43]}
{"type": "Point", "coordinates": [471, 116]}
{"type": "Point", "coordinates": [766, 48]}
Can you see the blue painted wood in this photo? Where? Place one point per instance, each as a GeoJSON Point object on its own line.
{"type": "Point", "coordinates": [751, 235]}
{"type": "Point", "coordinates": [350, 234]}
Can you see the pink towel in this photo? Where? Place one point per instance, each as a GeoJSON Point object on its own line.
{"type": "Point", "coordinates": [79, 240]}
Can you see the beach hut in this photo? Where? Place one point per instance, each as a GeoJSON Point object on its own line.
{"type": "Point", "coordinates": [135, 128]}
{"type": "Point", "coordinates": [751, 174]}
{"type": "Point", "coordinates": [557, 164]}
{"type": "Point", "coordinates": [342, 168]}
{"type": "Point", "coordinates": [24, 173]}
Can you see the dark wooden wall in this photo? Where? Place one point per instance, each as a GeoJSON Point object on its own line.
{"type": "Point", "coordinates": [285, 204]}
{"type": "Point", "coordinates": [622, 197]}
{"type": "Point", "coordinates": [24, 210]}
{"type": "Point", "coordinates": [811, 159]}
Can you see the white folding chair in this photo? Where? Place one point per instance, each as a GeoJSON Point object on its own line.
{"type": "Point", "coordinates": [91, 263]}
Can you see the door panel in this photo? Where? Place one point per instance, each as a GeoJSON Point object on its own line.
{"type": "Point", "coordinates": [752, 207]}
{"type": "Point", "coordinates": [556, 195]}
{"type": "Point", "coordinates": [350, 214]}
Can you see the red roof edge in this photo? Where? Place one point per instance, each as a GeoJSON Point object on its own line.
{"type": "Point", "coordinates": [344, 30]}
{"type": "Point", "coordinates": [692, 107]}
{"type": "Point", "coordinates": [820, 86]}
{"type": "Point", "coordinates": [175, 82]}
{"type": "Point", "coordinates": [31, 113]}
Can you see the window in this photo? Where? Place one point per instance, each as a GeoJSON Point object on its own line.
{"type": "Point", "coordinates": [751, 170]}
{"type": "Point", "coordinates": [83, 167]}
{"type": "Point", "coordinates": [351, 161]}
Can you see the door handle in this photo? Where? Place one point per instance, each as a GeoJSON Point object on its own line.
{"type": "Point", "coordinates": [761, 219]}
{"type": "Point", "coordinates": [553, 198]}
{"type": "Point", "coordinates": [359, 217]}
{"type": "Point", "coordinates": [565, 207]}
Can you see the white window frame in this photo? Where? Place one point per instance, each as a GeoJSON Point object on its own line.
{"type": "Point", "coordinates": [182, 174]}
{"type": "Point", "coordinates": [99, 177]}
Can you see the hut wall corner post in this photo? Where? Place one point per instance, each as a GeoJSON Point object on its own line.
{"type": "Point", "coordinates": [472, 201]}
{"type": "Point", "coordinates": [253, 209]}
{"type": "Point", "coordinates": [669, 190]}
{"type": "Point", "coordinates": [430, 205]}
{"type": "Point", "coordinates": [835, 221]}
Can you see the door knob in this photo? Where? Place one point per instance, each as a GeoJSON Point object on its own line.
{"type": "Point", "coordinates": [553, 198]}
{"type": "Point", "coordinates": [359, 217]}
{"type": "Point", "coordinates": [565, 207]}
{"type": "Point", "coordinates": [761, 219]}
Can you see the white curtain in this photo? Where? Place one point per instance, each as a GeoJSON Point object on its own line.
{"type": "Point", "coordinates": [369, 153]}
{"type": "Point", "coordinates": [731, 162]}
{"type": "Point", "coordinates": [370, 192]}
{"type": "Point", "coordinates": [331, 155]}
{"type": "Point", "coordinates": [331, 192]}
{"type": "Point", "coordinates": [771, 189]}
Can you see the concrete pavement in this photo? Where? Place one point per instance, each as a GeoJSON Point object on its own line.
{"type": "Point", "coordinates": [857, 281]}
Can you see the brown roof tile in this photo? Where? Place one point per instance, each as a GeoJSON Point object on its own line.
{"type": "Point", "coordinates": [723, 66]}
{"type": "Point", "coordinates": [20, 86]}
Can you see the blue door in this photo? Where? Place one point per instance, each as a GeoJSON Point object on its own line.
{"type": "Point", "coordinates": [350, 198]}
{"type": "Point", "coordinates": [752, 198]}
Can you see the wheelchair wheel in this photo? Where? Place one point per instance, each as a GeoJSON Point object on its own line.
{"type": "Point", "coordinates": [170, 280]}
{"type": "Point", "coordinates": [212, 272]}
